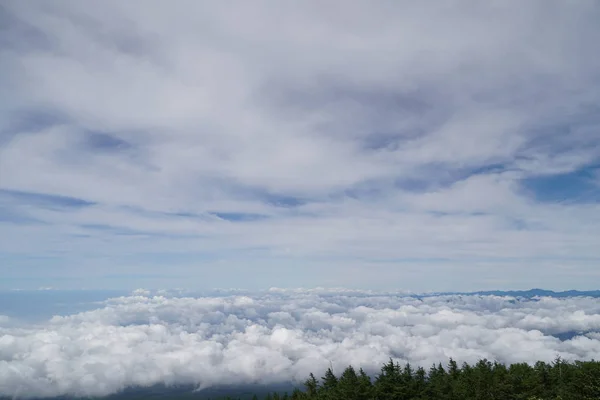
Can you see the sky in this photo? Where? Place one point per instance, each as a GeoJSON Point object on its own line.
{"type": "Point", "coordinates": [389, 145]}
{"type": "Point", "coordinates": [148, 338]}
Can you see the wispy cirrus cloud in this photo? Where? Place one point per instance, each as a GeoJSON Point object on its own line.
{"type": "Point", "coordinates": [414, 139]}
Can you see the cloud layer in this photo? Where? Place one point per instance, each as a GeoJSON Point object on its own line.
{"type": "Point", "coordinates": [251, 140]}
{"type": "Point", "coordinates": [280, 335]}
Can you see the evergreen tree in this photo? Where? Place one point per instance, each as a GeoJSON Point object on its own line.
{"type": "Point", "coordinates": [500, 386]}
{"type": "Point", "coordinates": [329, 380]}
{"type": "Point", "coordinates": [311, 385]}
{"type": "Point", "coordinates": [365, 386]}
{"type": "Point", "coordinates": [557, 377]}
{"type": "Point", "coordinates": [329, 385]}
{"type": "Point", "coordinates": [387, 384]}
{"type": "Point", "coordinates": [420, 383]}
{"type": "Point", "coordinates": [348, 384]}
{"type": "Point", "coordinates": [408, 382]}
{"type": "Point", "coordinates": [483, 381]}
{"type": "Point", "coordinates": [297, 394]}
{"type": "Point", "coordinates": [543, 384]}
{"type": "Point", "coordinates": [453, 381]}
{"type": "Point", "coordinates": [586, 379]}
{"type": "Point", "coordinates": [464, 387]}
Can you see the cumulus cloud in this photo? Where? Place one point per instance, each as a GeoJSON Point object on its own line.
{"type": "Point", "coordinates": [281, 336]}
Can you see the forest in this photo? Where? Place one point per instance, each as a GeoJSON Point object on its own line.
{"type": "Point", "coordinates": [485, 380]}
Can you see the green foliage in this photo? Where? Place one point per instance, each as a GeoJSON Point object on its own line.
{"type": "Point", "coordinates": [311, 385]}
{"type": "Point", "coordinates": [485, 380]}
{"type": "Point", "coordinates": [347, 386]}
{"type": "Point", "coordinates": [482, 381]}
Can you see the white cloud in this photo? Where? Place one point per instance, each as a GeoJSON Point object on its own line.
{"type": "Point", "coordinates": [384, 118]}
{"type": "Point", "coordinates": [280, 336]}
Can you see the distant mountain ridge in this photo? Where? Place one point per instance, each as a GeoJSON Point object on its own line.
{"type": "Point", "coordinates": [533, 293]}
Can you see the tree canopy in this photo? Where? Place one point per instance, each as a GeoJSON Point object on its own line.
{"type": "Point", "coordinates": [485, 380]}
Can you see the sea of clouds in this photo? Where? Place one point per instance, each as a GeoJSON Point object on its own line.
{"type": "Point", "coordinates": [150, 338]}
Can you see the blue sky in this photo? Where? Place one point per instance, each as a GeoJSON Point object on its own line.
{"type": "Point", "coordinates": [388, 145]}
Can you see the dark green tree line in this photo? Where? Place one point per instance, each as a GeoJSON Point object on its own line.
{"type": "Point", "coordinates": [485, 380]}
